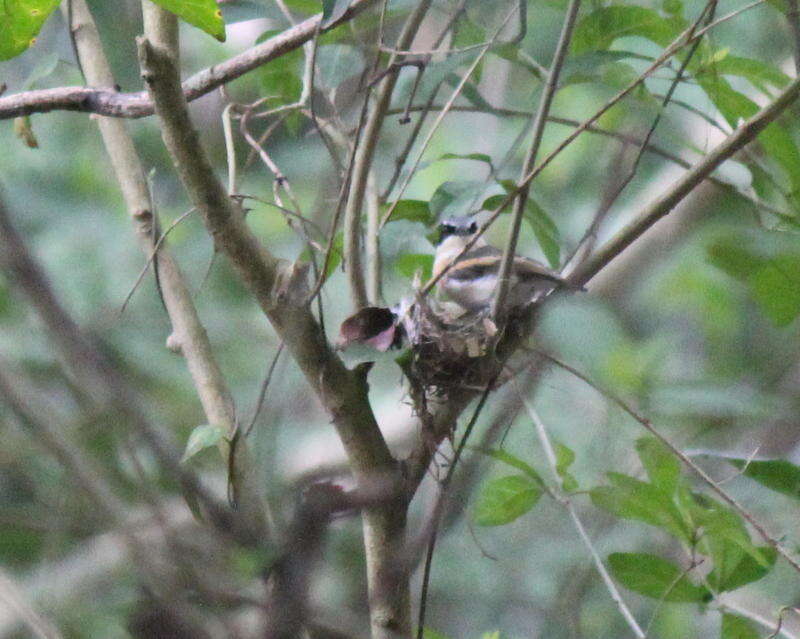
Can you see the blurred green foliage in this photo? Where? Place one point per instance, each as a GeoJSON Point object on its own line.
{"type": "Point", "coordinates": [696, 324]}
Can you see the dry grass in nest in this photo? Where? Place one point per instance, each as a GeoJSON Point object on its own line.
{"type": "Point", "coordinates": [449, 348]}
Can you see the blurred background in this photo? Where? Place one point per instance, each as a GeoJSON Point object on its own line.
{"type": "Point", "coordinates": [677, 325]}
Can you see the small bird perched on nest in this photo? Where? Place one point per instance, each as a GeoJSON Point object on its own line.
{"type": "Point", "coordinates": [471, 279]}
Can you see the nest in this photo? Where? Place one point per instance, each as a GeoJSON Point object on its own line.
{"type": "Point", "coordinates": [448, 347]}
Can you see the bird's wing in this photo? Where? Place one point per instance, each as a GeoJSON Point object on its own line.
{"type": "Point", "coordinates": [477, 263]}
{"type": "Point", "coordinates": [486, 261]}
{"type": "Point", "coordinates": [526, 268]}
{"type": "Point", "coordinates": [480, 252]}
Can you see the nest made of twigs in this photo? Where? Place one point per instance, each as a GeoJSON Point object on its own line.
{"type": "Point", "coordinates": [448, 347]}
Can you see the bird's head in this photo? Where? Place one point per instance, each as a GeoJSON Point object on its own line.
{"type": "Point", "coordinates": [457, 227]}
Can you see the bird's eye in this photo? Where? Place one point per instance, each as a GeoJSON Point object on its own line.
{"type": "Point", "coordinates": [473, 228]}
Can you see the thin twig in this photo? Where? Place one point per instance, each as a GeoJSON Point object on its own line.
{"type": "Point", "coordinates": [453, 96]}
{"type": "Point", "coordinates": [743, 135]}
{"type": "Point", "coordinates": [775, 628]}
{"type": "Point", "coordinates": [136, 105]}
{"type": "Point", "coordinates": [156, 247]}
{"type": "Point", "coordinates": [400, 160]}
{"type": "Point", "coordinates": [586, 243]}
{"type": "Point", "coordinates": [438, 507]}
{"type": "Point", "coordinates": [737, 140]}
{"type": "Point", "coordinates": [627, 139]}
{"type": "Point", "coordinates": [262, 393]}
{"type": "Point", "coordinates": [548, 93]}
{"type": "Point", "coordinates": [686, 37]}
{"type": "Point", "coordinates": [230, 148]}
{"type": "Point", "coordinates": [15, 599]}
{"type": "Point", "coordinates": [687, 461]}
{"type": "Point", "coordinates": [372, 248]}
{"type": "Point", "coordinates": [565, 501]}
{"type": "Point", "coordinates": [363, 160]}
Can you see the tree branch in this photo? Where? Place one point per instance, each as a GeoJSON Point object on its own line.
{"type": "Point", "coordinates": [107, 101]}
{"type": "Point", "coordinates": [793, 18]}
{"type": "Point", "coordinates": [281, 291]}
{"type": "Point", "coordinates": [565, 501]}
{"type": "Point", "coordinates": [82, 470]}
{"type": "Point", "coordinates": [188, 333]}
{"type": "Point", "coordinates": [362, 164]}
{"type": "Point", "coordinates": [548, 93]}
{"type": "Point", "coordinates": [746, 133]}
{"type": "Point", "coordinates": [685, 459]}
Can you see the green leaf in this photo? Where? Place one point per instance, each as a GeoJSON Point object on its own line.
{"type": "Point", "coordinates": [599, 29]}
{"type": "Point", "coordinates": [413, 210]}
{"type": "Point", "coordinates": [730, 256]}
{"type": "Point", "coordinates": [202, 437]}
{"type": "Point", "coordinates": [736, 627]}
{"type": "Point", "coordinates": [241, 10]}
{"type": "Point", "coordinates": [724, 537]}
{"type": "Point", "coordinates": [544, 229]}
{"type": "Point", "coordinates": [456, 197]}
{"type": "Point", "coordinates": [774, 281]}
{"type": "Point", "coordinates": [745, 571]}
{"type": "Point", "coordinates": [503, 500]}
{"type": "Point", "coordinates": [630, 498]}
{"type": "Point", "coordinates": [429, 633]}
{"type": "Point", "coordinates": [281, 78]}
{"type": "Point", "coordinates": [409, 263]}
{"type": "Point", "coordinates": [775, 139]}
{"type": "Point", "coordinates": [203, 14]}
{"type": "Point", "coordinates": [776, 288]}
{"type": "Point", "coordinates": [546, 232]}
{"type": "Point", "coordinates": [777, 474]}
{"type": "Point", "coordinates": [491, 203]}
{"type": "Point", "coordinates": [661, 466]}
{"type": "Point", "coordinates": [565, 457]}
{"type": "Point", "coordinates": [303, 6]}
{"type": "Point", "coordinates": [756, 72]}
{"type": "Point", "coordinates": [467, 33]}
{"type": "Point", "coordinates": [478, 157]}
{"type": "Point", "coordinates": [655, 577]}
{"type": "Point", "coordinates": [515, 462]}
{"type": "Point", "coordinates": [20, 22]}
{"type": "Point", "coordinates": [589, 67]}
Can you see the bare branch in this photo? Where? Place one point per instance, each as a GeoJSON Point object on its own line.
{"type": "Point", "coordinates": [372, 244]}
{"type": "Point", "coordinates": [548, 93]}
{"type": "Point", "coordinates": [188, 334]}
{"type": "Point", "coordinates": [713, 485]}
{"type": "Point", "coordinates": [445, 109]}
{"type": "Point", "coordinates": [15, 599]}
{"type": "Point", "coordinates": [587, 242]}
{"type": "Point", "coordinates": [544, 438]}
{"type": "Point", "coordinates": [793, 18]}
{"type": "Point", "coordinates": [362, 163]}
{"type": "Point", "coordinates": [281, 291]}
{"type": "Point", "coordinates": [746, 133]}
{"type": "Point", "coordinates": [109, 102]}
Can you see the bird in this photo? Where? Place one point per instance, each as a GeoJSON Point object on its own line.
{"type": "Point", "coordinates": [471, 278]}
